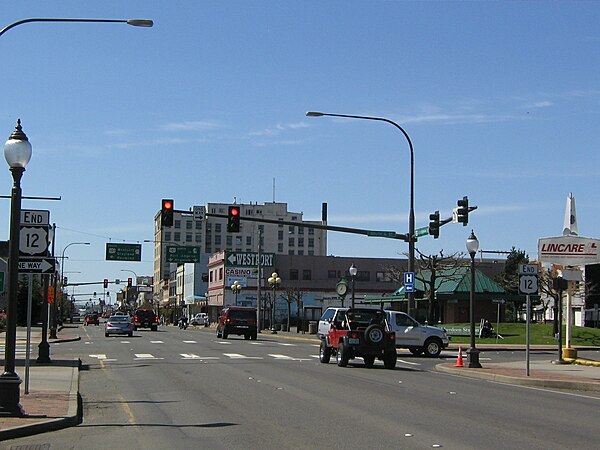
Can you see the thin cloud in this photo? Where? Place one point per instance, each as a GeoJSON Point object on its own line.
{"type": "Point", "coordinates": [199, 125]}
{"type": "Point", "coordinates": [278, 129]}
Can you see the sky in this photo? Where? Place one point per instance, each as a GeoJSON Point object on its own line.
{"type": "Point", "coordinates": [501, 100]}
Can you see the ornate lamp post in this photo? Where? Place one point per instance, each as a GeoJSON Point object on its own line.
{"type": "Point", "coordinates": [274, 281]}
{"type": "Point", "coordinates": [410, 237]}
{"type": "Point", "coordinates": [17, 152]}
{"type": "Point", "coordinates": [472, 247]}
{"type": "Point", "coordinates": [236, 287]}
{"type": "Point", "coordinates": [353, 271]}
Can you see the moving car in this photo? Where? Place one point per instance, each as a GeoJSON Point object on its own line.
{"type": "Point", "coordinates": [200, 319]}
{"type": "Point", "coordinates": [237, 320]}
{"type": "Point", "coordinates": [415, 337]}
{"type": "Point", "coordinates": [359, 332]}
{"type": "Point", "coordinates": [92, 319]}
{"type": "Point", "coordinates": [145, 318]}
{"type": "Point", "coordinates": [118, 325]}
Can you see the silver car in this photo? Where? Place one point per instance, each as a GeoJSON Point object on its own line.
{"type": "Point", "coordinates": [118, 325]}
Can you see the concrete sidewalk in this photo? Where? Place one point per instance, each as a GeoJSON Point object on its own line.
{"type": "Point", "coordinates": [53, 399]}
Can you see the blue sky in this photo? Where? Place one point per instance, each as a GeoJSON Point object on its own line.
{"type": "Point", "coordinates": [501, 101]}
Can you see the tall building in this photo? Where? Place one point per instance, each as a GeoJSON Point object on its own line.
{"type": "Point", "coordinates": [210, 235]}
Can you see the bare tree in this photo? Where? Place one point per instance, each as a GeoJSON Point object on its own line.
{"type": "Point", "coordinates": [291, 295]}
{"type": "Point", "coordinates": [441, 269]}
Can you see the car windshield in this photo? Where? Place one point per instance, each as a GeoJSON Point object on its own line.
{"type": "Point", "coordinates": [119, 319]}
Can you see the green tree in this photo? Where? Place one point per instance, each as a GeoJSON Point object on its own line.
{"type": "Point", "coordinates": [509, 280]}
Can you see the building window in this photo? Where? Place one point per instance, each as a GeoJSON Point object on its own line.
{"type": "Point", "coordinates": [280, 235]}
{"type": "Point", "coordinates": [229, 240]}
{"type": "Point", "coordinates": [167, 236]}
{"type": "Point", "coordinates": [188, 237]}
{"type": "Point", "coordinates": [291, 229]}
{"type": "Point", "coordinates": [211, 275]}
{"type": "Point", "coordinates": [294, 217]}
{"type": "Point", "coordinates": [280, 248]}
{"type": "Point", "coordinates": [178, 224]}
{"type": "Point", "coordinates": [217, 239]}
{"type": "Point", "coordinates": [198, 238]}
{"type": "Point", "coordinates": [209, 239]}
{"type": "Point", "coordinates": [280, 225]}
{"type": "Point", "coordinates": [198, 225]}
{"type": "Point", "coordinates": [363, 275]}
{"type": "Point", "coordinates": [248, 240]}
{"type": "Point", "coordinates": [332, 274]}
{"type": "Point", "coordinates": [209, 250]}
{"type": "Point", "coordinates": [220, 273]}
{"type": "Point", "coordinates": [217, 227]}
{"type": "Point", "coordinates": [290, 252]}
{"type": "Point", "coordinates": [300, 252]}
{"type": "Point", "coordinates": [293, 274]}
{"type": "Point", "coordinates": [300, 230]}
{"type": "Point", "coordinates": [291, 242]}
{"type": "Point", "coordinates": [307, 274]}
{"type": "Point", "coordinates": [238, 241]}
{"type": "Point", "coordinates": [311, 242]}
{"type": "Point", "coordinates": [188, 224]}
{"type": "Point", "coordinates": [177, 236]}
{"type": "Point", "coordinates": [311, 252]}
{"type": "Point", "coordinates": [311, 231]}
{"type": "Point", "coordinates": [300, 242]}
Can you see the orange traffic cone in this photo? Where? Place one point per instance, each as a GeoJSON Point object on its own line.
{"type": "Point", "coordinates": [459, 361]}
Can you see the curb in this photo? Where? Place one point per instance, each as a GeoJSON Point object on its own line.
{"type": "Point", "coordinates": [74, 414]}
{"type": "Point", "coordinates": [520, 381]}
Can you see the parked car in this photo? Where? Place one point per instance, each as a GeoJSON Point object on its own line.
{"type": "Point", "coordinates": [359, 332]}
{"type": "Point", "coordinates": [145, 318]}
{"type": "Point", "coordinates": [118, 325]}
{"type": "Point", "coordinates": [415, 337]}
{"type": "Point", "coordinates": [200, 319]}
{"type": "Point", "coordinates": [237, 320]}
{"type": "Point", "coordinates": [92, 319]}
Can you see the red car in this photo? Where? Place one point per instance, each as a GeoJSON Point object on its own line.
{"type": "Point", "coordinates": [92, 319]}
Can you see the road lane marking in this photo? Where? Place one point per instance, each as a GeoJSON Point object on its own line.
{"type": "Point", "coordinates": [101, 356]}
{"type": "Point", "coordinates": [238, 356]}
{"type": "Point", "coordinates": [156, 342]}
{"type": "Point", "coordinates": [190, 342]}
{"type": "Point", "coordinates": [287, 358]}
{"type": "Point", "coordinates": [192, 356]}
{"type": "Point", "coordinates": [409, 362]}
{"type": "Point", "coordinates": [139, 356]}
{"type": "Point", "coordinates": [286, 344]}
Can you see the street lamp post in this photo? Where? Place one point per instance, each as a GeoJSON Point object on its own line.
{"type": "Point", "coordinates": [411, 214]}
{"type": "Point", "coordinates": [17, 152]}
{"type": "Point", "coordinates": [472, 247]}
{"type": "Point", "coordinates": [274, 281]}
{"type": "Point", "coordinates": [236, 287]}
{"type": "Point", "coordinates": [132, 22]}
{"type": "Point", "coordinates": [353, 271]}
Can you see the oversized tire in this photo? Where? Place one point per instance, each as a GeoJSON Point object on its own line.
{"type": "Point", "coordinates": [154, 328]}
{"type": "Point", "coordinates": [416, 351]}
{"type": "Point", "coordinates": [247, 336]}
{"type": "Point", "coordinates": [254, 336]}
{"type": "Point", "coordinates": [324, 352]}
{"type": "Point", "coordinates": [369, 361]}
{"type": "Point", "coordinates": [374, 334]}
{"type": "Point", "coordinates": [224, 334]}
{"type": "Point", "coordinates": [219, 334]}
{"type": "Point", "coordinates": [389, 360]}
{"type": "Point", "coordinates": [343, 355]}
{"type": "Point", "coordinates": [131, 334]}
{"type": "Point", "coordinates": [433, 347]}
{"type": "Point", "coordinates": [105, 334]}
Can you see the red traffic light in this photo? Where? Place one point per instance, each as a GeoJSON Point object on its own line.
{"type": "Point", "coordinates": [105, 283]}
{"type": "Point", "coordinates": [235, 211]}
{"type": "Point", "coordinates": [129, 282]}
{"type": "Point", "coordinates": [167, 204]}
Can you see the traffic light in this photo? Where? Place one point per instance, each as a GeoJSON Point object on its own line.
{"type": "Point", "coordinates": [166, 214]}
{"type": "Point", "coordinates": [434, 224]}
{"type": "Point", "coordinates": [233, 219]}
{"type": "Point", "coordinates": [129, 282]}
{"type": "Point", "coordinates": [105, 283]}
{"type": "Point", "coordinates": [463, 211]}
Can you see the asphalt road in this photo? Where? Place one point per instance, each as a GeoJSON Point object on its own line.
{"type": "Point", "coordinates": [187, 389]}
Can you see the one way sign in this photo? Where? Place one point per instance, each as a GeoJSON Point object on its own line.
{"type": "Point", "coordinates": [36, 265]}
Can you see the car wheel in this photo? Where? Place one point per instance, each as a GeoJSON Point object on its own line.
{"type": "Point", "coordinates": [254, 336]}
{"type": "Point", "coordinates": [369, 361]}
{"type": "Point", "coordinates": [324, 352]}
{"type": "Point", "coordinates": [416, 351]}
{"type": "Point", "coordinates": [374, 334]}
{"type": "Point", "coordinates": [131, 334]}
{"type": "Point", "coordinates": [343, 355]}
{"type": "Point", "coordinates": [154, 328]}
{"type": "Point", "coordinates": [246, 336]}
{"type": "Point", "coordinates": [389, 360]}
{"type": "Point", "coordinates": [105, 334]}
{"type": "Point", "coordinates": [224, 334]}
{"type": "Point", "coordinates": [219, 333]}
{"type": "Point", "coordinates": [433, 347]}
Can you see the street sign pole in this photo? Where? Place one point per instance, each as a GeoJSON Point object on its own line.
{"type": "Point", "coordinates": [528, 303]}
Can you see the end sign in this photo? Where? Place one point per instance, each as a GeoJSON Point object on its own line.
{"type": "Point", "coordinates": [528, 279]}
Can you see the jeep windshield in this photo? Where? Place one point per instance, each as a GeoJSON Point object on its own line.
{"type": "Point", "coordinates": [361, 318]}
{"type": "Point", "coordinates": [238, 314]}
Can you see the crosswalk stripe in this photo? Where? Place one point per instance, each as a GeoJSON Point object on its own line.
{"type": "Point", "coordinates": [192, 356]}
{"type": "Point", "coordinates": [145, 356]}
{"type": "Point", "coordinates": [286, 357]}
{"type": "Point", "coordinates": [238, 356]}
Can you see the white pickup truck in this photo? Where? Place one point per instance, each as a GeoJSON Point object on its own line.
{"type": "Point", "coordinates": [415, 337]}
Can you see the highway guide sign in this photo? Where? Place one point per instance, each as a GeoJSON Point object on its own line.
{"type": "Point", "coordinates": [528, 278]}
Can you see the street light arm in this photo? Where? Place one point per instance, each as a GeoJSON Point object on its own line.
{"type": "Point", "coordinates": [132, 22]}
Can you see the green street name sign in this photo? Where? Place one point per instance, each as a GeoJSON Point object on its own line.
{"type": "Point", "coordinates": [384, 234]}
{"type": "Point", "coordinates": [183, 254]}
{"type": "Point", "coordinates": [423, 231]}
{"type": "Point", "coordinates": [123, 252]}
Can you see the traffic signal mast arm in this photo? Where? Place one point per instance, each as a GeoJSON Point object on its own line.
{"type": "Point", "coordinates": [445, 221]}
{"type": "Point", "coordinates": [385, 234]}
